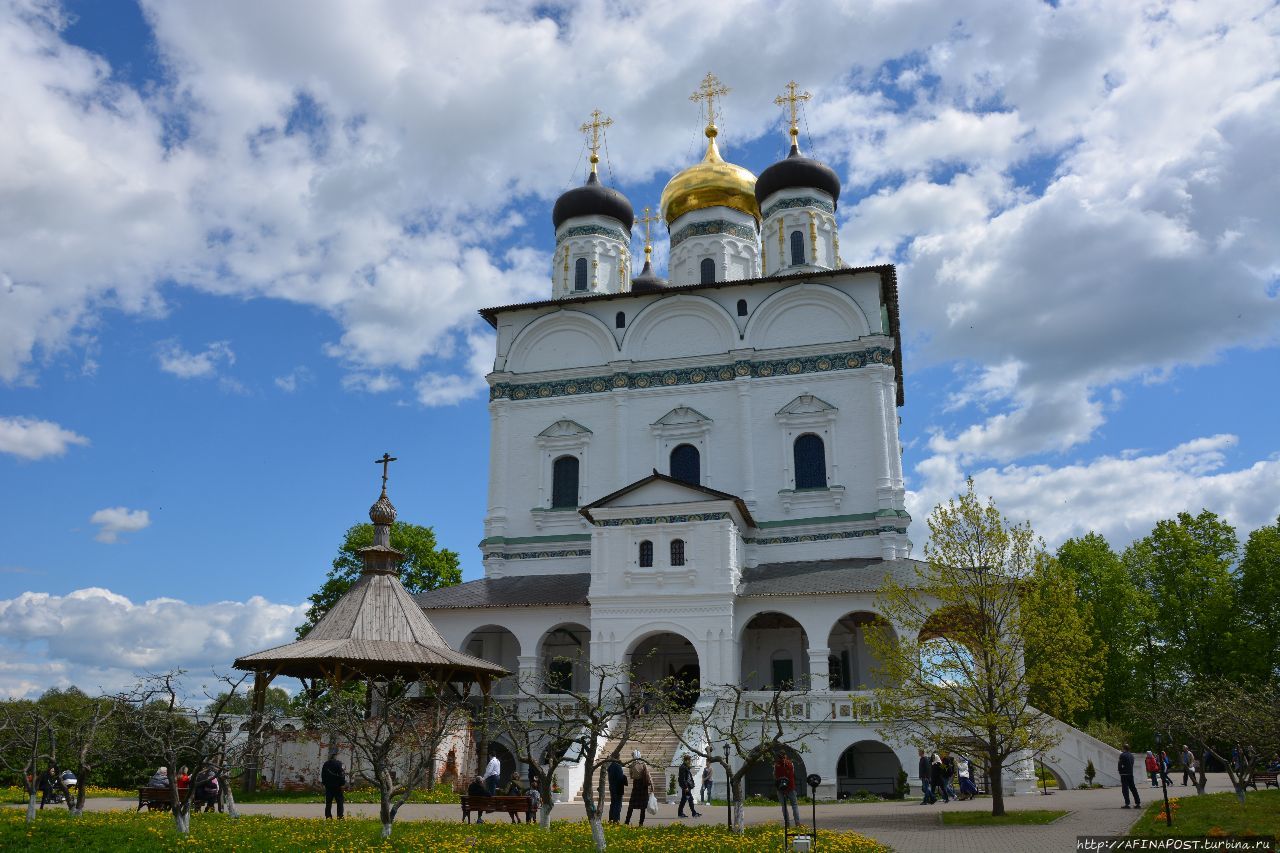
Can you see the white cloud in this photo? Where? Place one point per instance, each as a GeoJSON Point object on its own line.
{"type": "Point", "coordinates": [1120, 496]}
{"type": "Point", "coordinates": [290, 381]}
{"type": "Point", "coordinates": [95, 638]}
{"type": "Point", "coordinates": [370, 383]}
{"type": "Point", "coordinates": [200, 365]}
{"type": "Point", "coordinates": [115, 520]}
{"type": "Point", "coordinates": [30, 438]}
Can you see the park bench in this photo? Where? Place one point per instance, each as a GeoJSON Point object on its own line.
{"type": "Point", "coordinates": [158, 798]}
{"type": "Point", "coordinates": [518, 805]}
{"type": "Point", "coordinates": [1266, 777]}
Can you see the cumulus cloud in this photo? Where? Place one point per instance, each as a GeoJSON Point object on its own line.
{"type": "Point", "coordinates": [29, 438]}
{"type": "Point", "coordinates": [115, 520]}
{"type": "Point", "coordinates": [290, 381]}
{"type": "Point", "coordinates": [96, 638]}
{"type": "Point", "coordinates": [199, 365]}
{"type": "Point", "coordinates": [1121, 496]}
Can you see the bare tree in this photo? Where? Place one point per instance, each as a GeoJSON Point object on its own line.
{"type": "Point", "coordinates": [754, 729]}
{"type": "Point", "coordinates": [396, 734]}
{"type": "Point", "coordinates": [25, 729]}
{"type": "Point", "coordinates": [84, 727]}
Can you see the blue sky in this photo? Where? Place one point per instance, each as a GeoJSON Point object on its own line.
{"type": "Point", "coordinates": [245, 245]}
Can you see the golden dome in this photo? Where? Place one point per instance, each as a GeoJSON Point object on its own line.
{"type": "Point", "coordinates": [711, 183]}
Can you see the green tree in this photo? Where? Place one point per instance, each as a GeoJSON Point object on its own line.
{"type": "Point", "coordinates": [1108, 593]}
{"type": "Point", "coordinates": [1260, 601]}
{"type": "Point", "coordinates": [954, 676]}
{"type": "Point", "coordinates": [277, 702]}
{"type": "Point", "coordinates": [1064, 658]}
{"type": "Point", "coordinates": [425, 566]}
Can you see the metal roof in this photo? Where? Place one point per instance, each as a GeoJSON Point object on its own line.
{"type": "Point", "coordinates": [822, 577]}
{"type": "Point", "coordinates": [517, 591]}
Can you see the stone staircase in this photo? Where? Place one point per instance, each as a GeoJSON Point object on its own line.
{"type": "Point", "coordinates": [658, 746]}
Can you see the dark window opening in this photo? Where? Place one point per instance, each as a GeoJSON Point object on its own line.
{"type": "Point", "coordinates": [620, 320]}
{"type": "Point", "coordinates": [686, 464]}
{"type": "Point", "coordinates": [646, 554]}
{"type": "Point", "coordinates": [580, 274]}
{"type": "Point", "coordinates": [564, 483]}
{"type": "Point", "coordinates": [783, 674]}
{"type": "Point", "coordinates": [811, 462]}
{"type": "Point", "coordinates": [797, 247]}
{"type": "Point", "coordinates": [708, 271]}
{"type": "Point", "coordinates": [742, 307]}
{"type": "Point", "coordinates": [677, 552]}
{"type": "Point", "coordinates": [559, 676]}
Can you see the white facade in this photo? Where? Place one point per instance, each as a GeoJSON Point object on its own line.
{"type": "Point", "coordinates": [802, 218]}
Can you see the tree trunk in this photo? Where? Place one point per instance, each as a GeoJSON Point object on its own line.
{"type": "Point", "coordinates": [997, 787]}
{"type": "Point", "coordinates": [31, 805]}
{"type": "Point", "coordinates": [385, 812]}
{"type": "Point", "coordinates": [544, 812]}
{"type": "Point", "coordinates": [593, 817]}
{"type": "Point", "coordinates": [1237, 783]}
{"type": "Point", "coordinates": [1201, 780]}
{"type": "Point", "coordinates": [735, 794]}
{"type": "Point", "coordinates": [182, 821]}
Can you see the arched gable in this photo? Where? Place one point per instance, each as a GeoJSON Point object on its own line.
{"type": "Point", "coordinates": [561, 340]}
{"type": "Point", "coordinates": [680, 325]}
{"type": "Point", "coordinates": [806, 314]}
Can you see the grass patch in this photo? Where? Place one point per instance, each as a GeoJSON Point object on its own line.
{"type": "Point", "coordinates": [441, 795]}
{"type": "Point", "coordinates": [112, 831]}
{"type": "Point", "coordinates": [1027, 817]}
{"type": "Point", "coordinates": [16, 794]}
{"type": "Point", "coordinates": [1214, 815]}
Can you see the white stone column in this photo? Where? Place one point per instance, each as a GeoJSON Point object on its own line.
{"type": "Point", "coordinates": [528, 672]}
{"type": "Point", "coordinates": [819, 671]}
{"type": "Point", "coordinates": [884, 477]}
{"type": "Point", "coordinates": [747, 460]}
{"type": "Point", "coordinates": [620, 460]}
{"type": "Point", "coordinates": [497, 521]}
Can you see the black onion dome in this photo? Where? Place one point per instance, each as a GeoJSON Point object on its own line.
{"type": "Point", "coordinates": [593, 199]}
{"type": "Point", "coordinates": [796, 171]}
{"type": "Point", "coordinates": [648, 281]}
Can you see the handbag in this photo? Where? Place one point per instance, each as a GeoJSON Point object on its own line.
{"type": "Point", "coordinates": [653, 804]}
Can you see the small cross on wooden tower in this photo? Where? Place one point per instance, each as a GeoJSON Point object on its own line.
{"type": "Point", "coordinates": [599, 121]}
{"type": "Point", "coordinates": [386, 460]}
{"type": "Point", "coordinates": [793, 101]}
{"type": "Point", "coordinates": [708, 90]}
{"type": "Point", "coordinates": [647, 220]}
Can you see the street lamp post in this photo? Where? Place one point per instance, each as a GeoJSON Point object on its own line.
{"type": "Point", "coordinates": [728, 788]}
{"type": "Point", "coordinates": [814, 781]}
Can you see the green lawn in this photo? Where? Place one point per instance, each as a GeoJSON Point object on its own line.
{"type": "Point", "coordinates": [1028, 817]}
{"type": "Point", "coordinates": [1213, 815]}
{"type": "Point", "coordinates": [111, 831]}
{"type": "Point", "coordinates": [443, 794]}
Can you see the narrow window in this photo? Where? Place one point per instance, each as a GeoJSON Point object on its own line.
{"type": "Point", "coordinates": [646, 554]}
{"type": "Point", "coordinates": [797, 248]}
{"type": "Point", "coordinates": [742, 307]}
{"type": "Point", "coordinates": [559, 676]}
{"type": "Point", "coordinates": [580, 274]}
{"type": "Point", "coordinates": [811, 462]}
{"type": "Point", "coordinates": [833, 673]}
{"type": "Point", "coordinates": [620, 320]}
{"type": "Point", "coordinates": [686, 464]}
{"type": "Point", "coordinates": [677, 552]}
{"type": "Point", "coordinates": [708, 271]}
{"type": "Point", "coordinates": [783, 674]}
{"type": "Point", "coordinates": [564, 483]}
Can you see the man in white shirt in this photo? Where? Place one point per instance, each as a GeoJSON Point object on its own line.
{"type": "Point", "coordinates": [491, 773]}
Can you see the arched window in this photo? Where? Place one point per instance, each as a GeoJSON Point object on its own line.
{"type": "Point", "coordinates": [677, 552]}
{"type": "Point", "coordinates": [564, 482]}
{"type": "Point", "coordinates": [620, 320]}
{"type": "Point", "coordinates": [686, 464]}
{"type": "Point", "coordinates": [797, 247]}
{"type": "Point", "coordinates": [708, 271]}
{"type": "Point", "coordinates": [811, 462]}
{"type": "Point", "coordinates": [580, 274]}
{"type": "Point", "coordinates": [742, 307]}
{"type": "Point", "coordinates": [646, 554]}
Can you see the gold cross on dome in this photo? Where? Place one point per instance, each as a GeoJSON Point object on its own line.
{"type": "Point", "coordinates": [708, 90]}
{"type": "Point", "coordinates": [386, 460]}
{"type": "Point", "coordinates": [599, 121]}
{"type": "Point", "coordinates": [793, 101]}
{"type": "Point", "coordinates": [647, 219]}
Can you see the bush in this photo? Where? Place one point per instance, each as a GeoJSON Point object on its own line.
{"type": "Point", "coordinates": [1089, 772]}
{"type": "Point", "coordinates": [904, 787]}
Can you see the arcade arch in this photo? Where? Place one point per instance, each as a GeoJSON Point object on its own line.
{"type": "Point", "coordinates": [851, 662]}
{"type": "Point", "coordinates": [867, 765]}
{"type": "Point", "coordinates": [495, 644]}
{"type": "Point", "coordinates": [564, 658]}
{"type": "Point", "coordinates": [775, 652]}
{"type": "Point", "coordinates": [665, 659]}
{"type": "Point", "coordinates": [759, 779]}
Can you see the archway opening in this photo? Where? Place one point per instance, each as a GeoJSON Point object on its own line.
{"type": "Point", "coordinates": [505, 758]}
{"type": "Point", "coordinates": [851, 663]}
{"type": "Point", "coordinates": [496, 645]}
{"type": "Point", "coordinates": [775, 653]}
{"type": "Point", "coordinates": [565, 659]}
{"type": "Point", "coordinates": [666, 666]}
{"type": "Point", "coordinates": [867, 765]}
{"type": "Point", "coordinates": [759, 779]}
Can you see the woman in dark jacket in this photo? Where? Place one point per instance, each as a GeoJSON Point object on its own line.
{"type": "Point", "coordinates": [641, 785]}
{"type": "Point", "coordinates": [938, 778]}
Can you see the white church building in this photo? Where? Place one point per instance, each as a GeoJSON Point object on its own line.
{"type": "Point", "coordinates": [703, 476]}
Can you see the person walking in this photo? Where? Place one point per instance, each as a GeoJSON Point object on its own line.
{"type": "Point", "coordinates": [1124, 766]}
{"type": "Point", "coordinates": [938, 777]}
{"type": "Point", "coordinates": [1188, 765]}
{"type": "Point", "coordinates": [949, 775]}
{"type": "Point", "coordinates": [1164, 767]}
{"type": "Point", "coordinates": [1153, 768]}
{"type": "Point", "coordinates": [641, 786]}
{"type": "Point", "coordinates": [492, 772]}
{"type": "Point", "coordinates": [333, 776]}
{"type": "Point", "coordinates": [704, 793]}
{"type": "Point", "coordinates": [968, 790]}
{"type": "Point", "coordinates": [535, 802]}
{"type": "Point", "coordinates": [685, 781]}
{"type": "Point", "coordinates": [926, 781]}
{"type": "Point", "coordinates": [784, 770]}
{"type": "Point", "coordinates": [617, 784]}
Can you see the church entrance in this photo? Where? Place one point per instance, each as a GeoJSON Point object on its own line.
{"type": "Point", "coordinates": [666, 664]}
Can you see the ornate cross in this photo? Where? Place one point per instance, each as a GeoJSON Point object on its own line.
{"type": "Point", "coordinates": [599, 121]}
{"type": "Point", "coordinates": [708, 90]}
{"type": "Point", "coordinates": [794, 101]}
{"type": "Point", "coordinates": [386, 460]}
{"type": "Point", "coordinates": [646, 220]}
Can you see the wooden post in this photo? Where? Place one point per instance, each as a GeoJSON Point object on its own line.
{"type": "Point", "coordinates": [259, 700]}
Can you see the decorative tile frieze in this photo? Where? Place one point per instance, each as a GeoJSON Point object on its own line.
{"type": "Point", "coordinates": [762, 369]}
{"type": "Point", "coordinates": [663, 519]}
{"type": "Point", "coordinates": [714, 226]}
{"type": "Point", "coordinates": [540, 555]}
{"type": "Point", "coordinates": [822, 537]}
{"type": "Point", "coordinates": [803, 201]}
{"type": "Point", "coordinates": [587, 230]}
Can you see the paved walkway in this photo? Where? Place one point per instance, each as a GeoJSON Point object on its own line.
{"type": "Point", "coordinates": [907, 827]}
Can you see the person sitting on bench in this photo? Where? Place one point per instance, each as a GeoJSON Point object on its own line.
{"type": "Point", "coordinates": [477, 789]}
